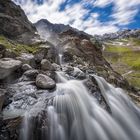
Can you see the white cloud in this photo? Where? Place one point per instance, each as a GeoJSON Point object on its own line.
{"type": "Point", "coordinates": [102, 3]}
{"type": "Point", "coordinates": [123, 13]}
{"type": "Point", "coordinates": [125, 10]}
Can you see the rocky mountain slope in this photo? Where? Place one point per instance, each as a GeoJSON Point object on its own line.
{"type": "Point", "coordinates": [14, 23]}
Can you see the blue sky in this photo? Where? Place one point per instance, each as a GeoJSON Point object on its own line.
{"type": "Point", "coordinates": [91, 16]}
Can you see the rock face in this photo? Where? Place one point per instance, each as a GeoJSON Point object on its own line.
{"type": "Point", "coordinates": [8, 66]}
{"type": "Point", "coordinates": [45, 82]}
{"type": "Point", "coordinates": [14, 23]}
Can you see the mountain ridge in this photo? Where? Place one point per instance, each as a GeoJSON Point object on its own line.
{"type": "Point", "coordinates": [14, 24]}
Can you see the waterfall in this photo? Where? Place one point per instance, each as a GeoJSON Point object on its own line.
{"type": "Point", "coordinates": [60, 59]}
{"type": "Point", "coordinates": [74, 114]}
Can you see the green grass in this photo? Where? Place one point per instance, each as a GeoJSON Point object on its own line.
{"type": "Point", "coordinates": [125, 59]}
{"type": "Point", "coordinates": [135, 41]}
{"type": "Point", "coordinates": [117, 49]}
{"type": "Point", "coordinates": [125, 55]}
{"type": "Point", "coordinates": [18, 48]}
{"type": "Point", "coordinates": [134, 78]}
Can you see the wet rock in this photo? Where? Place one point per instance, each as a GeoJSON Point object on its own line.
{"type": "Point", "coordinates": [56, 67]}
{"type": "Point", "coordinates": [77, 73]}
{"type": "Point", "coordinates": [23, 95]}
{"type": "Point", "coordinates": [45, 82]}
{"type": "Point", "coordinates": [29, 75]}
{"type": "Point", "coordinates": [46, 65]}
{"type": "Point", "coordinates": [27, 59]}
{"type": "Point", "coordinates": [8, 66]}
{"type": "Point", "coordinates": [2, 50]}
{"type": "Point", "coordinates": [2, 98]}
{"type": "Point", "coordinates": [26, 87]}
{"type": "Point", "coordinates": [26, 67]}
{"type": "Point", "coordinates": [68, 69]}
{"type": "Point", "coordinates": [10, 128]}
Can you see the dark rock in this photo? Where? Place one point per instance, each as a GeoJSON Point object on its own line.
{"type": "Point", "coordinates": [29, 75]}
{"type": "Point", "coordinates": [26, 67]}
{"type": "Point", "coordinates": [45, 82]}
{"type": "Point", "coordinates": [56, 67]}
{"type": "Point", "coordinates": [2, 50]}
{"type": "Point", "coordinates": [78, 74]}
{"type": "Point", "coordinates": [9, 54]}
{"type": "Point", "coordinates": [2, 98]}
{"type": "Point", "coordinates": [8, 66]}
{"type": "Point", "coordinates": [46, 65]}
{"type": "Point", "coordinates": [10, 128]}
{"type": "Point", "coordinates": [41, 54]}
{"type": "Point", "coordinates": [68, 69]}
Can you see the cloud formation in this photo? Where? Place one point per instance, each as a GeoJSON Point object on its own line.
{"type": "Point", "coordinates": [83, 14]}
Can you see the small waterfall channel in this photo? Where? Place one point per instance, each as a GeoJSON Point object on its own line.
{"type": "Point", "coordinates": [73, 114]}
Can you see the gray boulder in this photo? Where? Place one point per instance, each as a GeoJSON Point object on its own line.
{"type": "Point", "coordinates": [29, 75]}
{"type": "Point", "coordinates": [26, 67]}
{"type": "Point", "coordinates": [56, 67]}
{"type": "Point", "coordinates": [45, 82]}
{"type": "Point", "coordinates": [8, 66]}
{"type": "Point", "coordinates": [46, 65]}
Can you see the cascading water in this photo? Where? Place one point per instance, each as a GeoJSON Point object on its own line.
{"type": "Point", "coordinates": [60, 59]}
{"type": "Point", "coordinates": [73, 114]}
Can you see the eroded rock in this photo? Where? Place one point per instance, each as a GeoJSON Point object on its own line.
{"type": "Point", "coordinates": [45, 82]}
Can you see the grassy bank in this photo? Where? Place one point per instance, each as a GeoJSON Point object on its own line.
{"type": "Point", "coordinates": [18, 48]}
{"type": "Point", "coordinates": [125, 59]}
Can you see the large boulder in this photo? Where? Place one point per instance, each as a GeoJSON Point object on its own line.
{"type": "Point", "coordinates": [45, 82]}
{"type": "Point", "coordinates": [8, 66]}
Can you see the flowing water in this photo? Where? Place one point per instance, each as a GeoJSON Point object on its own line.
{"type": "Point", "coordinates": [73, 114]}
{"type": "Point", "coordinates": [60, 59]}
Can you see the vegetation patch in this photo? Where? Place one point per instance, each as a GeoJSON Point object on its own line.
{"type": "Point", "coordinates": [124, 59]}
{"type": "Point", "coordinates": [18, 48]}
{"type": "Point", "coordinates": [117, 49]}
{"type": "Point", "coordinates": [134, 79]}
